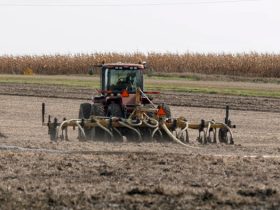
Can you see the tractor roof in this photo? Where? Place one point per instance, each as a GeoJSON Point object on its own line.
{"type": "Point", "coordinates": [124, 65]}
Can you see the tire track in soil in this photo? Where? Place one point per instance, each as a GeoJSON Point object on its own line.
{"type": "Point", "coordinates": [175, 99]}
{"type": "Point", "coordinates": [102, 152]}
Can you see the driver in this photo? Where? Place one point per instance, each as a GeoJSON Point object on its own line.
{"type": "Point", "coordinates": [125, 82]}
{"type": "Point", "coordinates": [130, 78]}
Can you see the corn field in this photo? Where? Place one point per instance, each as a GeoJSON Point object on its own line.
{"type": "Point", "coordinates": [256, 65]}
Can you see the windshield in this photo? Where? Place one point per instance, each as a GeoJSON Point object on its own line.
{"type": "Point", "coordinates": [123, 79]}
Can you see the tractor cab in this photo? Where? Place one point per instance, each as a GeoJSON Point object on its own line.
{"type": "Point", "coordinates": [117, 78]}
{"type": "Point", "coordinates": [119, 84]}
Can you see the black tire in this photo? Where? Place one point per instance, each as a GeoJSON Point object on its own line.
{"type": "Point", "coordinates": [114, 110]}
{"type": "Point", "coordinates": [146, 133]}
{"type": "Point", "coordinates": [84, 113]}
{"type": "Point", "coordinates": [97, 110]}
{"type": "Point", "coordinates": [167, 110]}
{"type": "Point", "coordinates": [97, 133]}
{"type": "Point", "coordinates": [224, 137]}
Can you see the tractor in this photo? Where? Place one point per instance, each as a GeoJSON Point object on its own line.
{"type": "Point", "coordinates": [117, 95]}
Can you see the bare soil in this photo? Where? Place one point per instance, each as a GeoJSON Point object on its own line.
{"type": "Point", "coordinates": [171, 98]}
{"type": "Point", "coordinates": [39, 174]}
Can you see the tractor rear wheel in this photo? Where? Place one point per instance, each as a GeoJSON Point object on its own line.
{"type": "Point", "coordinates": [84, 113]}
{"type": "Point", "coordinates": [97, 132]}
{"type": "Point", "coordinates": [97, 110]}
{"type": "Point", "coordinates": [85, 110]}
{"type": "Point", "coordinates": [114, 110]}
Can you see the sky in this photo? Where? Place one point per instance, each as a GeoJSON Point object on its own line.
{"type": "Point", "coordinates": [36, 27]}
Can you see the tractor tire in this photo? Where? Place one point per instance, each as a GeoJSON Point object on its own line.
{"type": "Point", "coordinates": [114, 110]}
{"type": "Point", "coordinates": [97, 110]}
{"type": "Point", "coordinates": [97, 133]}
{"type": "Point", "coordinates": [84, 113]}
{"type": "Point", "coordinates": [85, 110]}
{"type": "Point", "coordinates": [167, 110]}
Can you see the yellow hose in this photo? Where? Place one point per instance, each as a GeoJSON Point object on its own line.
{"type": "Point", "coordinates": [164, 127]}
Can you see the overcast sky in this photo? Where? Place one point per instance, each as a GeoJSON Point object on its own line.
{"type": "Point", "coordinates": [88, 26]}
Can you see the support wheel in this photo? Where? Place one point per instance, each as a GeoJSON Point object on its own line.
{"type": "Point", "coordinates": [224, 136]}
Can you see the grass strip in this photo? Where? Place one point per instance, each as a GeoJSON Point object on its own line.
{"type": "Point", "coordinates": [160, 85]}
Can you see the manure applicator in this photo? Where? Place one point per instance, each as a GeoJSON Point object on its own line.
{"type": "Point", "coordinates": [123, 110]}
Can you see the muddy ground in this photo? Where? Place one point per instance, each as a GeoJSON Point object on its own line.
{"type": "Point", "coordinates": [39, 174]}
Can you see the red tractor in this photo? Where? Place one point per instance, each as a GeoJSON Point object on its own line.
{"type": "Point", "coordinates": [119, 84]}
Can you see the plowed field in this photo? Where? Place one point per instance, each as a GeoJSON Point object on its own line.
{"type": "Point", "coordinates": [39, 174]}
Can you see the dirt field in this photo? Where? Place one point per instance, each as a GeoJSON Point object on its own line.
{"type": "Point", "coordinates": [174, 98]}
{"type": "Point", "coordinates": [38, 174]}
